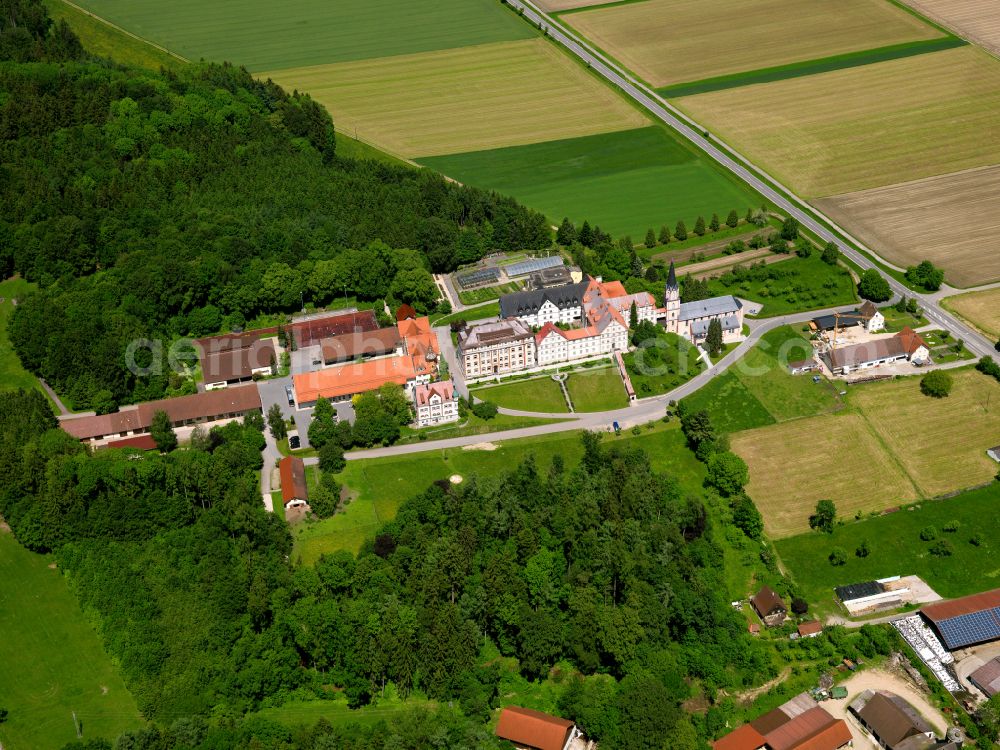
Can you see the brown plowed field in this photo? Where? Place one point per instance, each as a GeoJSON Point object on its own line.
{"type": "Point", "coordinates": [976, 20]}
{"type": "Point", "coordinates": [951, 220]}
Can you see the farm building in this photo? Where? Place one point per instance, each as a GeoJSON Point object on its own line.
{"type": "Point", "coordinates": [769, 607]}
{"type": "Point", "coordinates": [893, 722]}
{"type": "Point", "coordinates": [966, 621]}
{"type": "Point", "coordinates": [239, 364]}
{"type": "Point", "coordinates": [348, 347]}
{"type": "Point", "coordinates": [810, 629]}
{"type": "Point", "coordinates": [867, 316]}
{"type": "Point", "coordinates": [436, 403]}
{"type": "Point", "coordinates": [198, 408]}
{"type": "Point", "coordinates": [904, 346]}
{"type": "Point", "coordinates": [293, 481]}
{"type": "Point", "coordinates": [803, 365]}
{"type": "Point", "coordinates": [533, 730]}
{"type": "Point", "coordinates": [799, 724]}
{"type": "Point", "coordinates": [987, 677]}
{"type": "Point", "coordinates": [872, 596]}
{"type": "Point", "coordinates": [343, 382]}
{"type": "Point", "coordinates": [315, 328]}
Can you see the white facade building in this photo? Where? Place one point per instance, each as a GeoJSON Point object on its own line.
{"type": "Point", "coordinates": [496, 348]}
{"type": "Point", "coordinates": [435, 403]}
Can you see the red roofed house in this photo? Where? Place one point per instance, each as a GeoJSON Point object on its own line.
{"type": "Point", "coordinates": [810, 629]}
{"type": "Point", "coordinates": [799, 724]}
{"type": "Point", "coordinates": [607, 333]}
{"type": "Point", "coordinates": [436, 403]}
{"type": "Point", "coordinates": [534, 730]}
{"type": "Point", "coordinates": [293, 481]}
{"type": "Point", "coordinates": [744, 738]}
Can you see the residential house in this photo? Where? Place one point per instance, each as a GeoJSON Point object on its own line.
{"type": "Point", "coordinates": [527, 729]}
{"type": "Point", "coordinates": [798, 724]}
{"type": "Point", "coordinates": [294, 490]}
{"type": "Point", "coordinates": [904, 346]}
{"type": "Point", "coordinates": [496, 348]}
{"type": "Point", "coordinates": [435, 403]}
{"type": "Point", "coordinates": [769, 607]}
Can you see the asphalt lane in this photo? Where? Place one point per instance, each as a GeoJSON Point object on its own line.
{"type": "Point", "coordinates": [737, 164]}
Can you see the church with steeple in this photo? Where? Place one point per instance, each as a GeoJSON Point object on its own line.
{"type": "Point", "coordinates": [691, 319]}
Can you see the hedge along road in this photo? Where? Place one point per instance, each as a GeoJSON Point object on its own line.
{"type": "Point", "coordinates": [641, 412]}
{"type": "Point", "coordinates": [745, 170]}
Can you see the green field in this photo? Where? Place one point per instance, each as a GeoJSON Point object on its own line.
{"type": "Point", "coordinates": [597, 390]}
{"type": "Point", "coordinates": [663, 366]}
{"type": "Point", "coordinates": [897, 549]}
{"type": "Point", "coordinates": [12, 374]}
{"type": "Point", "coordinates": [264, 35]}
{"type": "Point", "coordinates": [487, 293]}
{"type": "Point", "coordinates": [537, 394]}
{"type": "Point", "coordinates": [625, 182]}
{"type": "Point", "coordinates": [53, 661]}
{"type": "Point", "coordinates": [791, 286]}
{"type": "Point", "coordinates": [759, 390]}
{"type": "Point", "coordinates": [479, 312]}
{"type": "Point", "coordinates": [379, 486]}
{"type": "Point", "coordinates": [305, 713]}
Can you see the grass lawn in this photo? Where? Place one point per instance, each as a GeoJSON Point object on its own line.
{"type": "Point", "coordinates": [625, 182]}
{"type": "Point", "coordinates": [350, 148]}
{"type": "Point", "coordinates": [537, 394]}
{"type": "Point", "coordinates": [597, 390]}
{"type": "Point", "coordinates": [278, 504]}
{"type": "Point", "coordinates": [665, 364]}
{"type": "Point", "coordinates": [12, 374]}
{"type": "Point", "coordinates": [943, 347]}
{"type": "Point", "coordinates": [263, 35]}
{"type": "Point", "coordinates": [379, 486]}
{"type": "Point", "coordinates": [897, 549]}
{"type": "Point", "coordinates": [305, 713]}
{"type": "Point", "coordinates": [429, 103]}
{"type": "Point", "coordinates": [479, 312]}
{"type": "Point", "coordinates": [53, 660]}
{"type": "Point", "coordinates": [487, 293]}
{"type": "Point", "coordinates": [982, 309]}
{"type": "Point", "coordinates": [801, 131]}
{"type": "Point", "coordinates": [670, 41]}
{"type": "Point", "coordinates": [472, 425]}
{"type": "Point", "coordinates": [759, 390]}
{"type": "Point", "coordinates": [108, 41]}
{"type": "Point", "coordinates": [792, 286]}
{"type": "Point", "coordinates": [710, 244]}
{"type": "Point", "coordinates": [897, 321]}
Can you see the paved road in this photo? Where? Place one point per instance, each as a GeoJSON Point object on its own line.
{"type": "Point", "coordinates": [638, 413]}
{"type": "Point", "coordinates": [740, 166]}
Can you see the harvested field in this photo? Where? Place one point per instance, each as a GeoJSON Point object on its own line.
{"type": "Point", "coordinates": [941, 443]}
{"type": "Point", "coordinates": [950, 220]}
{"type": "Point", "coordinates": [481, 97]}
{"type": "Point", "coordinates": [982, 309]}
{"type": "Point", "coordinates": [976, 20]}
{"type": "Point", "coordinates": [796, 464]}
{"type": "Point", "coordinates": [265, 35]}
{"type": "Point", "coordinates": [554, 6]}
{"type": "Point", "coordinates": [673, 41]}
{"type": "Point", "coordinates": [865, 127]}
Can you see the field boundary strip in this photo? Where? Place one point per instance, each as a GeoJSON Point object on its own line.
{"type": "Point", "coordinates": [811, 67]}
{"type": "Point", "coordinates": [583, 8]}
{"type": "Point", "coordinates": [124, 31]}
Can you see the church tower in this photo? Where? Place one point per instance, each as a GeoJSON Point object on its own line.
{"type": "Point", "coordinates": [672, 302]}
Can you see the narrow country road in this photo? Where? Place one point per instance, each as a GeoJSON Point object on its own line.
{"type": "Point", "coordinates": [745, 170]}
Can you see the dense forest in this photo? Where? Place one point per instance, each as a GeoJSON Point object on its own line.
{"type": "Point", "coordinates": [157, 205]}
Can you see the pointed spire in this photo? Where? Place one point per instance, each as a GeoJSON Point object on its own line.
{"type": "Point", "coordinates": [672, 277]}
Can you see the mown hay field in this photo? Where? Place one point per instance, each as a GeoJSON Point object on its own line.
{"type": "Point", "coordinates": [976, 20]}
{"type": "Point", "coordinates": [982, 309]}
{"type": "Point", "coordinates": [625, 181]}
{"type": "Point", "coordinates": [941, 443]}
{"type": "Point", "coordinates": [467, 99]}
{"type": "Point", "coordinates": [895, 447]}
{"type": "Point", "coordinates": [265, 35]}
{"type": "Point", "coordinates": [53, 660]}
{"type": "Point", "coordinates": [865, 127]}
{"type": "Point", "coordinates": [674, 41]}
{"type": "Point", "coordinates": [951, 220]}
{"type": "Point", "coordinates": [796, 464]}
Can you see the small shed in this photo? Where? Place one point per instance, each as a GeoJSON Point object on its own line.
{"type": "Point", "coordinates": [810, 629]}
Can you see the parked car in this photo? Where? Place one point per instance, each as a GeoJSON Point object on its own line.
{"type": "Point", "coordinates": [291, 396]}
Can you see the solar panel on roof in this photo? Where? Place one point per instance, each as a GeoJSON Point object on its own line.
{"type": "Point", "coordinates": [525, 267]}
{"type": "Point", "coordinates": [975, 627]}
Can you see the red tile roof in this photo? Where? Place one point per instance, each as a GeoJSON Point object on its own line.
{"type": "Point", "coordinates": [309, 332]}
{"type": "Point", "coordinates": [347, 380]}
{"type": "Point", "coordinates": [831, 737]}
{"type": "Point", "coordinates": [405, 311]}
{"type": "Point", "coordinates": [143, 442]}
{"type": "Point", "coordinates": [523, 726]}
{"type": "Point", "coordinates": [811, 627]}
{"type": "Point", "coordinates": [445, 389]}
{"type": "Point", "coordinates": [964, 606]}
{"type": "Point", "coordinates": [910, 340]}
{"type": "Point", "coordinates": [744, 738]}
{"type": "Point", "coordinates": [347, 346]}
{"type": "Point", "coordinates": [807, 726]}
{"type": "Point", "coordinates": [293, 479]}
